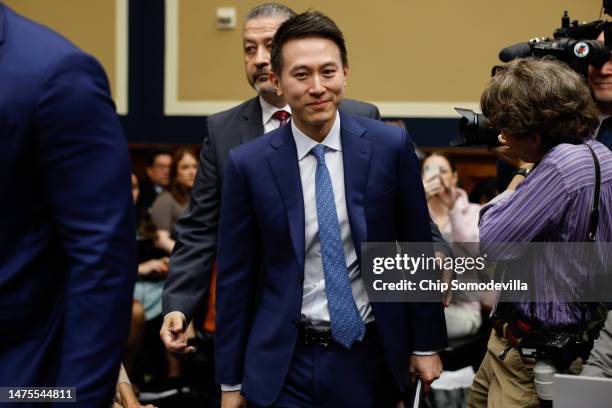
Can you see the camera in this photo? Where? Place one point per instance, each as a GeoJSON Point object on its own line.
{"type": "Point", "coordinates": [573, 43]}
{"type": "Point", "coordinates": [560, 348]}
{"type": "Point", "coordinates": [474, 129]}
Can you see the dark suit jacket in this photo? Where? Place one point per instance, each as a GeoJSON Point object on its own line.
{"type": "Point", "coordinates": [604, 135]}
{"type": "Point", "coordinates": [67, 239]}
{"type": "Point", "coordinates": [196, 244]}
{"type": "Point", "coordinates": [148, 194]}
{"type": "Point", "coordinates": [262, 225]}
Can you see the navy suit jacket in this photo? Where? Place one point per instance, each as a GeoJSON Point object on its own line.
{"type": "Point", "coordinates": [67, 239]}
{"type": "Point", "coordinates": [262, 226]}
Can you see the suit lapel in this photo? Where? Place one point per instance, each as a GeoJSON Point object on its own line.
{"type": "Point", "coordinates": [605, 133]}
{"type": "Point", "coordinates": [356, 158]}
{"type": "Point", "coordinates": [252, 125]}
{"type": "Point", "coordinates": [283, 162]}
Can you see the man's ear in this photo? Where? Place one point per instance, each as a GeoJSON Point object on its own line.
{"type": "Point", "coordinates": [536, 141]}
{"type": "Point", "coordinates": [345, 70]}
{"type": "Point", "coordinates": [274, 80]}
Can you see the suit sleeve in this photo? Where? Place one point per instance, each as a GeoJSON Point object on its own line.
{"type": "Point", "coordinates": [236, 276]}
{"type": "Point", "coordinates": [85, 168]}
{"type": "Point", "coordinates": [427, 326]}
{"type": "Point", "coordinates": [196, 244]}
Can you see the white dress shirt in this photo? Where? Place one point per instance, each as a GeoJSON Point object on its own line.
{"type": "Point", "coordinates": [314, 301]}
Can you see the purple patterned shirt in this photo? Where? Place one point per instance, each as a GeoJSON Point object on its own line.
{"type": "Point", "coordinates": [553, 204]}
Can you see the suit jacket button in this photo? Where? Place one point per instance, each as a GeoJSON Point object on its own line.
{"type": "Point", "coordinates": [295, 323]}
{"type": "Point", "coordinates": [301, 278]}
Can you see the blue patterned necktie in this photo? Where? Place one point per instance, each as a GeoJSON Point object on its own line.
{"type": "Point", "coordinates": [345, 320]}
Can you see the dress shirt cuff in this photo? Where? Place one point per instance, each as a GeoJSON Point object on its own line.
{"type": "Point", "coordinates": [227, 387]}
{"type": "Point", "coordinates": [180, 314]}
{"type": "Point", "coordinates": [424, 353]}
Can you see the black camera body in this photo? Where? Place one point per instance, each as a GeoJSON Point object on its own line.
{"type": "Point", "coordinates": [573, 43]}
{"type": "Point", "coordinates": [559, 348]}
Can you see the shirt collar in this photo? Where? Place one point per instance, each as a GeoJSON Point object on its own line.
{"type": "Point", "coordinates": [304, 144]}
{"type": "Point", "coordinates": [602, 117]}
{"type": "Point", "coordinates": [267, 110]}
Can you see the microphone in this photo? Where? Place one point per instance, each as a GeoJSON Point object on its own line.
{"type": "Point", "coordinates": [515, 51]}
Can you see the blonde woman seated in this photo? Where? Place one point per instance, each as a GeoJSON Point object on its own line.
{"type": "Point", "coordinates": [457, 219]}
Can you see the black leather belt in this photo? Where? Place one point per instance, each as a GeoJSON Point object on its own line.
{"type": "Point", "coordinates": [307, 336]}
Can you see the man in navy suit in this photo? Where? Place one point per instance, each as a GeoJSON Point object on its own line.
{"type": "Point", "coordinates": [295, 327]}
{"type": "Point", "coordinates": [193, 256]}
{"type": "Point", "coordinates": [67, 239]}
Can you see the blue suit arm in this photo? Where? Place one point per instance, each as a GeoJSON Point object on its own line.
{"type": "Point", "coordinates": [85, 167]}
{"type": "Point", "coordinates": [427, 326]}
{"type": "Point", "coordinates": [196, 244]}
{"type": "Point", "coordinates": [238, 263]}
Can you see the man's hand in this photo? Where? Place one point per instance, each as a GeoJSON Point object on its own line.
{"type": "Point", "coordinates": [173, 333]}
{"type": "Point", "coordinates": [154, 266]}
{"type": "Point", "coordinates": [232, 399]}
{"type": "Point", "coordinates": [428, 368]}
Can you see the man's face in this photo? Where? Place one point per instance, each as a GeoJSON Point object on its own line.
{"type": "Point", "coordinates": [312, 81]}
{"type": "Point", "coordinates": [600, 80]}
{"type": "Point", "coordinates": [159, 172]}
{"type": "Point", "coordinates": [257, 40]}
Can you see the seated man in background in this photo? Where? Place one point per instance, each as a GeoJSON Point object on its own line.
{"type": "Point", "coordinates": [159, 161]}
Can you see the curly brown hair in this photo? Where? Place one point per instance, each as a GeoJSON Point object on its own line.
{"type": "Point", "coordinates": [540, 96]}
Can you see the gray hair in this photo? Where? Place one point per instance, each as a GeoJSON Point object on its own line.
{"type": "Point", "coordinates": [270, 10]}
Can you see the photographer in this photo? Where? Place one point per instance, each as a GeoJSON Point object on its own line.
{"type": "Point", "coordinates": [547, 117]}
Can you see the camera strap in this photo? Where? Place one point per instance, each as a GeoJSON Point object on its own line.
{"type": "Point", "coordinates": [594, 220]}
{"type": "Point", "coordinates": [511, 320]}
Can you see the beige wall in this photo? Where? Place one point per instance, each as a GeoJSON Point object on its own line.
{"type": "Point", "coordinates": [90, 24]}
{"type": "Point", "coordinates": [399, 50]}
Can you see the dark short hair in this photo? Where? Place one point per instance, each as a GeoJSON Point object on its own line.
{"type": "Point", "coordinates": [156, 151]}
{"type": "Point", "coordinates": [270, 10]}
{"type": "Point", "coordinates": [306, 25]}
{"type": "Point", "coordinates": [530, 96]}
